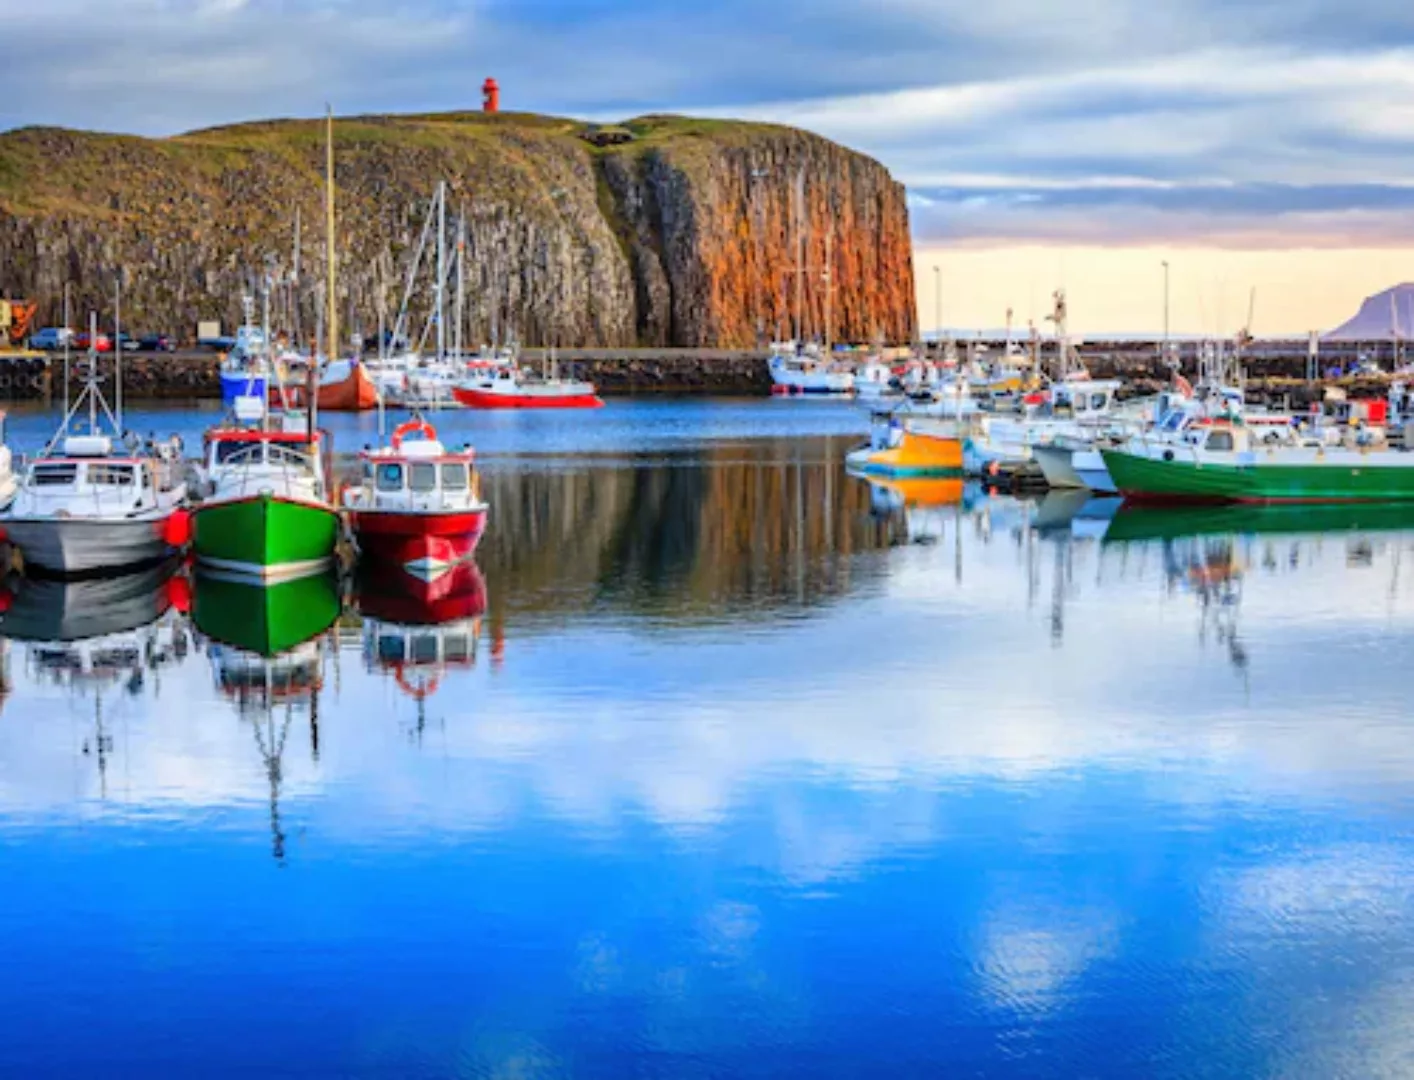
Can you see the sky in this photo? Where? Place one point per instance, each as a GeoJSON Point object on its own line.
{"type": "Point", "coordinates": [1251, 144]}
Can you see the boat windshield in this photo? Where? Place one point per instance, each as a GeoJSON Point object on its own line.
{"type": "Point", "coordinates": [423, 478]}
{"type": "Point", "coordinates": [108, 475]}
{"type": "Point", "coordinates": [57, 475]}
{"type": "Point", "coordinates": [454, 477]}
{"type": "Point", "coordinates": [390, 477]}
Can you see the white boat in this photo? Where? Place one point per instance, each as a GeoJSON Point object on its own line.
{"type": "Point", "coordinates": [9, 485]}
{"type": "Point", "coordinates": [246, 370]}
{"type": "Point", "coordinates": [515, 388]}
{"type": "Point", "coordinates": [800, 369]}
{"type": "Point", "coordinates": [874, 381]}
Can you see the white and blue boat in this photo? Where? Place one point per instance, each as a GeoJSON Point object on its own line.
{"type": "Point", "coordinates": [246, 370]}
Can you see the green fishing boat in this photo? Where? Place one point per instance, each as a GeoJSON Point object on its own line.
{"type": "Point", "coordinates": [266, 512]}
{"type": "Point", "coordinates": [1228, 463]}
{"type": "Point", "coordinates": [266, 620]}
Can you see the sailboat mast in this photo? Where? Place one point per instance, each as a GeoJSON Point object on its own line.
{"type": "Point", "coordinates": [800, 255]}
{"type": "Point", "coordinates": [332, 316]}
{"type": "Point", "coordinates": [441, 271]}
{"type": "Point", "coordinates": [118, 348]}
{"type": "Point", "coordinates": [829, 293]}
{"type": "Point", "coordinates": [68, 333]}
{"type": "Point", "coordinates": [92, 371]}
{"type": "Point", "coordinates": [294, 287]}
{"type": "Point", "coordinates": [461, 282]}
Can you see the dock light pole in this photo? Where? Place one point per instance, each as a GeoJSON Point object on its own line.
{"type": "Point", "coordinates": [1166, 311]}
{"type": "Point", "coordinates": [938, 301]}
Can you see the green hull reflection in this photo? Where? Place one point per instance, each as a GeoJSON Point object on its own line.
{"type": "Point", "coordinates": [265, 619]}
{"type": "Point", "coordinates": [1138, 522]}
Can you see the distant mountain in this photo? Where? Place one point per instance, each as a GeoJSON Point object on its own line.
{"type": "Point", "coordinates": [1382, 317]}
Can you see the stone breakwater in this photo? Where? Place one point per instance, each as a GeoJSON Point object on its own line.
{"type": "Point", "coordinates": [1273, 380]}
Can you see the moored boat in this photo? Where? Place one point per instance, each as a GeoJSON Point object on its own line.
{"type": "Point", "coordinates": [417, 504]}
{"type": "Point", "coordinates": [800, 369]}
{"type": "Point", "coordinates": [1230, 462]}
{"type": "Point", "coordinates": [245, 371]}
{"type": "Point", "coordinates": [909, 446]}
{"type": "Point", "coordinates": [266, 511]}
{"type": "Point", "coordinates": [346, 386]}
{"type": "Point", "coordinates": [513, 388]}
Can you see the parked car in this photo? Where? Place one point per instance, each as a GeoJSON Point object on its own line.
{"type": "Point", "coordinates": [156, 343]}
{"type": "Point", "coordinates": [126, 342]}
{"type": "Point", "coordinates": [51, 337]}
{"type": "Point", "coordinates": [101, 343]}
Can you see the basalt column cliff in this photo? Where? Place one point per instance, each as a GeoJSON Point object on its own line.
{"type": "Point", "coordinates": [661, 231]}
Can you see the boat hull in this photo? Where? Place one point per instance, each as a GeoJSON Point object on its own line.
{"type": "Point", "coordinates": [473, 398]}
{"type": "Point", "coordinates": [1143, 477]}
{"type": "Point", "coordinates": [354, 393]}
{"type": "Point", "coordinates": [426, 545]}
{"type": "Point", "coordinates": [237, 386]}
{"type": "Point", "coordinates": [75, 547]}
{"type": "Point", "coordinates": [266, 537]}
{"type": "Point", "coordinates": [392, 596]}
{"type": "Point", "coordinates": [1079, 469]}
{"type": "Point", "coordinates": [915, 455]}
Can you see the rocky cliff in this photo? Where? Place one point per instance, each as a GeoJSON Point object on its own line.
{"type": "Point", "coordinates": [661, 231]}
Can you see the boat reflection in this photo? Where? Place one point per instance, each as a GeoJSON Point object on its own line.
{"type": "Point", "coordinates": [266, 645]}
{"type": "Point", "coordinates": [416, 636]}
{"type": "Point", "coordinates": [93, 636]}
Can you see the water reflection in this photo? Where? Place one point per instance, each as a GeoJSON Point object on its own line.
{"type": "Point", "coordinates": [915, 775]}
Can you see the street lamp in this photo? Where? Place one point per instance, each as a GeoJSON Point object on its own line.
{"type": "Point", "coordinates": [1167, 357]}
{"type": "Point", "coordinates": [938, 302]}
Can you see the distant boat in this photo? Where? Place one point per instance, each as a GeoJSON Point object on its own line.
{"type": "Point", "coordinates": [513, 388]}
{"type": "Point", "coordinates": [1234, 462]}
{"type": "Point", "coordinates": [800, 369]}
{"type": "Point", "coordinates": [346, 386]}
{"type": "Point", "coordinates": [245, 372]}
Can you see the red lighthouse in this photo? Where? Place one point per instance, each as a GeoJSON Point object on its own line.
{"type": "Point", "coordinates": [491, 96]}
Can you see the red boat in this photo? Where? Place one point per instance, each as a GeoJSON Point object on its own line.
{"type": "Point", "coordinates": [418, 504]}
{"type": "Point", "coordinates": [510, 388]}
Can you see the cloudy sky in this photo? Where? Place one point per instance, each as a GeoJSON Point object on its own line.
{"type": "Point", "coordinates": [1252, 144]}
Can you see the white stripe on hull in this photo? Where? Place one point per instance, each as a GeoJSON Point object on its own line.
{"type": "Point", "coordinates": [244, 571]}
{"type": "Point", "coordinates": [80, 546]}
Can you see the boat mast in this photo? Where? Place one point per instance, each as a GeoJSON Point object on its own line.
{"type": "Point", "coordinates": [294, 287]}
{"type": "Point", "coordinates": [92, 371]}
{"type": "Point", "coordinates": [118, 348]}
{"type": "Point", "coordinates": [829, 292]}
{"type": "Point", "coordinates": [269, 352]}
{"type": "Point", "coordinates": [800, 256]}
{"type": "Point", "coordinates": [332, 315]}
{"type": "Point", "coordinates": [441, 271]}
{"type": "Point", "coordinates": [461, 282]}
{"type": "Point", "coordinates": [68, 333]}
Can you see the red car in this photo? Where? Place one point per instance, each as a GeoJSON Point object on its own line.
{"type": "Point", "coordinates": [102, 343]}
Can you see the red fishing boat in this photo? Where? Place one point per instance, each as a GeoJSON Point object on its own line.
{"type": "Point", "coordinates": [511, 387]}
{"type": "Point", "coordinates": [418, 504]}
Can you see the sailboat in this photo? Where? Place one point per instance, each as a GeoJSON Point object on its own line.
{"type": "Point", "coordinates": [96, 502]}
{"type": "Point", "coordinates": [513, 387]}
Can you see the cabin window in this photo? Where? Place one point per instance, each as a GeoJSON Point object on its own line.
{"type": "Point", "coordinates": [367, 471]}
{"type": "Point", "coordinates": [390, 478]}
{"type": "Point", "coordinates": [1220, 440]}
{"type": "Point", "coordinates": [54, 475]}
{"type": "Point", "coordinates": [287, 455]}
{"type": "Point", "coordinates": [457, 648]}
{"type": "Point", "coordinates": [391, 649]}
{"type": "Point", "coordinates": [118, 475]}
{"type": "Point", "coordinates": [227, 452]}
{"type": "Point", "coordinates": [424, 649]}
{"type": "Point", "coordinates": [454, 477]}
{"type": "Point", "coordinates": [424, 478]}
{"type": "Point", "coordinates": [1097, 401]}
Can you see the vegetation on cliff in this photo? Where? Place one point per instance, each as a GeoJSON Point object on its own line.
{"type": "Point", "coordinates": [659, 231]}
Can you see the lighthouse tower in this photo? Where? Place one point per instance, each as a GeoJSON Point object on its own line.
{"type": "Point", "coordinates": [490, 96]}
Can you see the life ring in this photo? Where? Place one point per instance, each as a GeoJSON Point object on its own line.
{"type": "Point", "coordinates": [417, 692]}
{"type": "Point", "coordinates": [402, 431]}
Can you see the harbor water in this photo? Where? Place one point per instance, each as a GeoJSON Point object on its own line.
{"type": "Point", "coordinates": [724, 763]}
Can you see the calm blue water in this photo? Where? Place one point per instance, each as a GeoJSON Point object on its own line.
{"type": "Point", "coordinates": [755, 771]}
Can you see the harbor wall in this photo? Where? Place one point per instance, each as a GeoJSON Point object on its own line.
{"type": "Point", "coordinates": [1273, 379]}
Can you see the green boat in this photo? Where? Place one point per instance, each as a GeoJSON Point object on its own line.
{"type": "Point", "coordinates": [1137, 523]}
{"type": "Point", "coordinates": [266, 620]}
{"type": "Point", "coordinates": [1227, 463]}
{"type": "Point", "coordinates": [266, 513]}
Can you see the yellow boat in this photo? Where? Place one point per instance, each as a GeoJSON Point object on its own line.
{"type": "Point", "coordinates": [903, 451]}
{"type": "Point", "coordinates": [925, 491]}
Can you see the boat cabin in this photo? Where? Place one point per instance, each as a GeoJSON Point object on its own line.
{"type": "Point", "coordinates": [83, 477]}
{"type": "Point", "coordinates": [416, 476]}
{"type": "Point", "coordinates": [418, 656]}
{"type": "Point", "coordinates": [253, 459]}
{"type": "Point", "coordinates": [1082, 398]}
